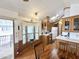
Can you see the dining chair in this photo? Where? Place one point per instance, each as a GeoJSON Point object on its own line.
{"type": "Point", "coordinates": [42, 52]}
{"type": "Point", "coordinates": [38, 49]}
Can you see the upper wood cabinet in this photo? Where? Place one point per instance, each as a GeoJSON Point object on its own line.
{"type": "Point", "coordinates": [76, 23]}
{"type": "Point", "coordinates": [66, 24]}
{"type": "Point", "coordinates": [46, 25]}
{"type": "Point", "coordinates": [70, 24]}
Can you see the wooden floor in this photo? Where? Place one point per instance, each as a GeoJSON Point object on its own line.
{"type": "Point", "coordinates": [26, 54]}
{"type": "Point", "coordinates": [29, 54]}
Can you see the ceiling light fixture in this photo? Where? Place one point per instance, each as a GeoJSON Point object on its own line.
{"type": "Point", "coordinates": [35, 17]}
{"type": "Point", "coordinates": [26, 0]}
{"type": "Point", "coordinates": [36, 13]}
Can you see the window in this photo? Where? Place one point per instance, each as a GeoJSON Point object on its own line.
{"type": "Point", "coordinates": [24, 34]}
{"type": "Point", "coordinates": [36, 32]}
{"type": "Point", "coordinates": [30, 32]}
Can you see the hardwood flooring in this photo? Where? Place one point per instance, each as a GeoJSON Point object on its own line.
{"type": "Point", "coordinates": [26, 54]}
{"type": "Point", "coordinates": [29, 54]}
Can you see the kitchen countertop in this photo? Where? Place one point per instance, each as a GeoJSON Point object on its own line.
{"type": "Point", "coordinates": [67, 39]}
{"type": "Point", "coordinates": [47, 34]}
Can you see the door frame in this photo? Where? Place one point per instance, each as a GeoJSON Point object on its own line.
{"type": "Point", "coordinates": [11, 19]}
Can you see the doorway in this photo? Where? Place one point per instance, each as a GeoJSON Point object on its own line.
{"type": "Point", "coordinates": [6, 39]}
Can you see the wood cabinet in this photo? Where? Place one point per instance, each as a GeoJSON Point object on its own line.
{"type": "Point", "coordinates": [46, 25]}
{"type": "Point", "coordinates": [76, 23]}
{"type": "Point", "coordinates": [66, 24]}
{"type": "Point", "coordinates": [70, 24]}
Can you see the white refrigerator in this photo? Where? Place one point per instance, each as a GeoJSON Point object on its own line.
{"type": "Point", "coordinates": [54, 31]}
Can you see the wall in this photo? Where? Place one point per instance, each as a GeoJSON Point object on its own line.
{"type": "Point", "coordinates": [73, 35]}
{"type": "Point", "coordinates": [8, 13]}
{"type": "Point", "coordinates": [74, 10]}
{"type": "Point", "coordinates": [18, 32]}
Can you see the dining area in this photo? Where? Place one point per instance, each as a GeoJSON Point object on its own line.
{"type": "Point", "coordinates": [39, 51]}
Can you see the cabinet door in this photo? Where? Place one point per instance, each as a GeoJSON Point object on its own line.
{"type": "Point", "coordinates": [66, 24]}
{"type": "Point", "coordinates": [76, 24]}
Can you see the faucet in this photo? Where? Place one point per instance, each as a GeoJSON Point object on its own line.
{"type": "Point", "coordinates": [68, 34]}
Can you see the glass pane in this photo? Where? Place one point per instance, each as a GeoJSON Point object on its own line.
{"type": "Point", "coordinates": [76, 24]}
{"type": "Point", "coordinates": [66, 25]}
{"type": "Point", "coordinates": [36, 36]}
{"type": "Point", "coordinates": [24, 34]}
{"type": "Point", "coordinates": [24, 30]}
{"type": "Point", "coordinates": [36, 28]}
{"type": "Point", "coordinates": [30, 29]}
{"type": "Point", "coordinates": [30, 36]}
{"type": "Point", "coordinates": [6, 27]}
{"type": "Point", "coordinates": [24, 39]}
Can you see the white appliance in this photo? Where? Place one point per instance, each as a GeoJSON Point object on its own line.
{"type": "Point", "coordinates": [54, 31]}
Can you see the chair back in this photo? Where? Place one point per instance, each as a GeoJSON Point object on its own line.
{"type": "Point", "coordinates": [38, 49]}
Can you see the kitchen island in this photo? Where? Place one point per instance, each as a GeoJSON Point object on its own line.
{"type": "Point", "coordinates": [68, 45]}
{"type": "Point", "coordinates": [67, 39]}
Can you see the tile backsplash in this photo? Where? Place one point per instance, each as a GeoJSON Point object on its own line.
{"type": "Point", "coordinates": [73, 35]}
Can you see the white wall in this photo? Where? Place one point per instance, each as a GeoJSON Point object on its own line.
{"type": "Point", "coordinates": [18, 33]}
{"type": "Point", "coordinates": [74, 10]}
{"type": "Point", "coordinates": [8, 13]}
{"type": "Point", "coordinates": [73, 35]}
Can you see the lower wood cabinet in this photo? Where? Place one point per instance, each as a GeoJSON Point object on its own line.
{"type": "Point", "coordinates": [68, 47]}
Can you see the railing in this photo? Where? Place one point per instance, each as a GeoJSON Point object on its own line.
{"type": "Point", "coordinates": [6, 40]}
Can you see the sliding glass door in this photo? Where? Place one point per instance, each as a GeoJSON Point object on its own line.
{"type": "Point", "coordinates": [6, 39]}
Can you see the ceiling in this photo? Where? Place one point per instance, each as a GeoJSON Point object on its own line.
{"type": "Point", "coordinates": [43, 7]}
